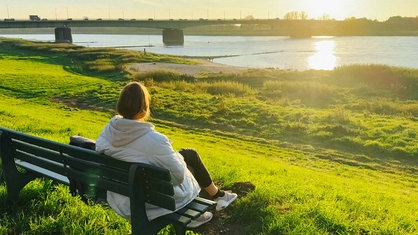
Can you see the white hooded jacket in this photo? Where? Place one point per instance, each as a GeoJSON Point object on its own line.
{"type": "Point", "coordinates": [136, 141]}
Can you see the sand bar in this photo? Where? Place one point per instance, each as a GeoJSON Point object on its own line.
{"type": "Point", "coordinates": [205, 66]}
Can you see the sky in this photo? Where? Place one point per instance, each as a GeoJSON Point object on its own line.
{"type": "Point", "coordinates": [379, 10]}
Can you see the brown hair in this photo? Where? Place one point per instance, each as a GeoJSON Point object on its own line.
{"type": "Point", "coordinates": [134, 101]}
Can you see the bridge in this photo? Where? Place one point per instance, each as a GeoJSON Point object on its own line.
{"type": "Point", "coordinates": [172, 29]}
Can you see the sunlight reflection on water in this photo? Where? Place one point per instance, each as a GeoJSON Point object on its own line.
{"type": "Point", "coordinates": [324, 57]}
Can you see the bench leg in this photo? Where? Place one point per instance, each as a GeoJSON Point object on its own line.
{"type": "Point", "coordinates": [180, 230]}
{"type": "Point", "coordinates": [16, 182]}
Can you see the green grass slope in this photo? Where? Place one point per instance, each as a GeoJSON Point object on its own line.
{"type": "Point", "coordinates": [330, 152]}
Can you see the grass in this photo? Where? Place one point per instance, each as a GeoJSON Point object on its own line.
{"type": "Point", "coordinates": [330, 152]}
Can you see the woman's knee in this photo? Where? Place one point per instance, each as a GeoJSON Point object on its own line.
{"type": "Point", "coordinates": [189, 153]}
{"type": "Point", "coordinates": [191, 157]}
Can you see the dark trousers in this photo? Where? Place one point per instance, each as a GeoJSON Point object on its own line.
{"type": "Point", "coordinates": [196, 166]}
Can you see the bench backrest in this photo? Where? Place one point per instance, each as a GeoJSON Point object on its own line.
{"type": "Point", "coordinates": [143, 182]}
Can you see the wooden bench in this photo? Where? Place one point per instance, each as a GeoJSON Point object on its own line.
{"type": "Point", "coordinates": [142, 183]}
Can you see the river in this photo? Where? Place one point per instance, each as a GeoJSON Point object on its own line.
{"type": "Point", "coordinates": [267, 51]}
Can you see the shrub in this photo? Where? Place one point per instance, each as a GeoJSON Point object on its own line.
{"type": "Point", "coordinates": [161, 76]}
{"type": "Point", "coordinates": [387, 107]}
{"type": "Point", "coordinates": [339, 115]}
{"type": "Point", "coordinates": [228, 88]}
{"type": "Point", "coordinates": [400, 81]}
{"type": "Point", "coordinates": [309, 92]}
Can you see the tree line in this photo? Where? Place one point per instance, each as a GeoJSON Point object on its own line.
{"type": "Point", "coordinates": [299, 25]}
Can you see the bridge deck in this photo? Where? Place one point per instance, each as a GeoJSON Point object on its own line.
{"type": "Point", "coordinates": [159, 24]}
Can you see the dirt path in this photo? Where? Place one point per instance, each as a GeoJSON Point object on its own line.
{"type": "Point", "coordinates": [205, 66]}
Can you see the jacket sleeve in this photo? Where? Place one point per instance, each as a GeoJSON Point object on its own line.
{"type": "Point", "coordinates": [173, 161]}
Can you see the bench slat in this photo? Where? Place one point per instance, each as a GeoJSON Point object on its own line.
{"type": "Point", "coordinates": [91, 179]}
{"type": "Point", "coordinates": [160, 186]}
{"type": "Point", "coordinates": [185, 211]}
{"type": "Point", "coordinates": [38, 151]}
{"type": "Point", "coordinates": [88, 166]}
{"type": "Point", "coordinates": [84, 166]}
{"type": "Point", "coordinates": [46, 173]}
{"type": "Point", "coordinates": [41, 162]}
{"type": "Point", "coordinates": [160, 200]}
{"type": "Point", "coordinates": [91, 155]}
{"type": "Point", "coordinates": [34, 140]}
{"type": "Point", "coordinates": [197, 206]}
{"type": "Point", "coordinates": [177, 218]}
{"type": "Point", "coordinates": [155, 172]}
{"type": "Point", "coordinates": [205, 201]}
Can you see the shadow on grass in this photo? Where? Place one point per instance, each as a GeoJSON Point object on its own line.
{"type": "Point", "coordinates": [244, 216]}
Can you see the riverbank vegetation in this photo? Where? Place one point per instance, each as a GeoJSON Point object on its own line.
{"type": "Point", "coordinates": [296, 26]}
{"type": "Point", "coordinates": [329, 152]}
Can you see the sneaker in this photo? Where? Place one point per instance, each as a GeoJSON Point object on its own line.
{"type": "Point", "coordinates": [204, 218]}
{"type": "Point", "coordinates": [223, 202]}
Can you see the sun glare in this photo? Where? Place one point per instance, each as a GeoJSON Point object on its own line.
{"type": "Point", "coordinates": [319, 8]}
{"type": "Point", "coordinates": [324, 57]}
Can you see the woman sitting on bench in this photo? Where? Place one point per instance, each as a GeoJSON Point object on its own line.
{"type": "Point", "coordinates": [128, 137]}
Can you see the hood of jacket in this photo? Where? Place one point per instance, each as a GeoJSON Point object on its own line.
{"type": "Point", "coordinates": [120, 131]}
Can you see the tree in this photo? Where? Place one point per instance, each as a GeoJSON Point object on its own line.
{"type": "Point", "coordinates": [295, 15]}
{"type": "Point", "coordinates": [303, 15]}
{"type": "Point", "coordinates": [324, 17]}
{"type": "Point", "coordinates": [249, 17]}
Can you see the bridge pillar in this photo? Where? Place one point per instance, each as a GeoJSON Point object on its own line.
{"type": "Point", "coordinates": [173, 37]}
{"type": "Point", "coordinates": [63, 34]}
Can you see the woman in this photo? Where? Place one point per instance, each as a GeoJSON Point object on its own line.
{"type": "Point", "coordinates": [128, 137]}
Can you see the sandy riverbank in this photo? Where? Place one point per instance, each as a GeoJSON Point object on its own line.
{"type": "Point", "coordinates": [204, 66]}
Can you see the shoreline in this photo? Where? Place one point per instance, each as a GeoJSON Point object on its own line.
{"type": "Point", "coordinates": [282, 63]}
{"type": "Point", "coordinates": [205, 65]}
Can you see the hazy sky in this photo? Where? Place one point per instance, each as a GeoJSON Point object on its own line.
{"type": "Point", "coordinates": [213, 9]}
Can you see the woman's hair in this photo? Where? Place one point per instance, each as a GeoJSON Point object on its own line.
{"type": "Point", "coordinates": [134, 101]}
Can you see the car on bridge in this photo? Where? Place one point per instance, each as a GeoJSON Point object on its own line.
{"type": "Point", "coordinates": [34, 18]}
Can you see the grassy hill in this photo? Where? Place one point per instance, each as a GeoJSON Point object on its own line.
{"type": "Point", "coordinates": [329, 152]}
